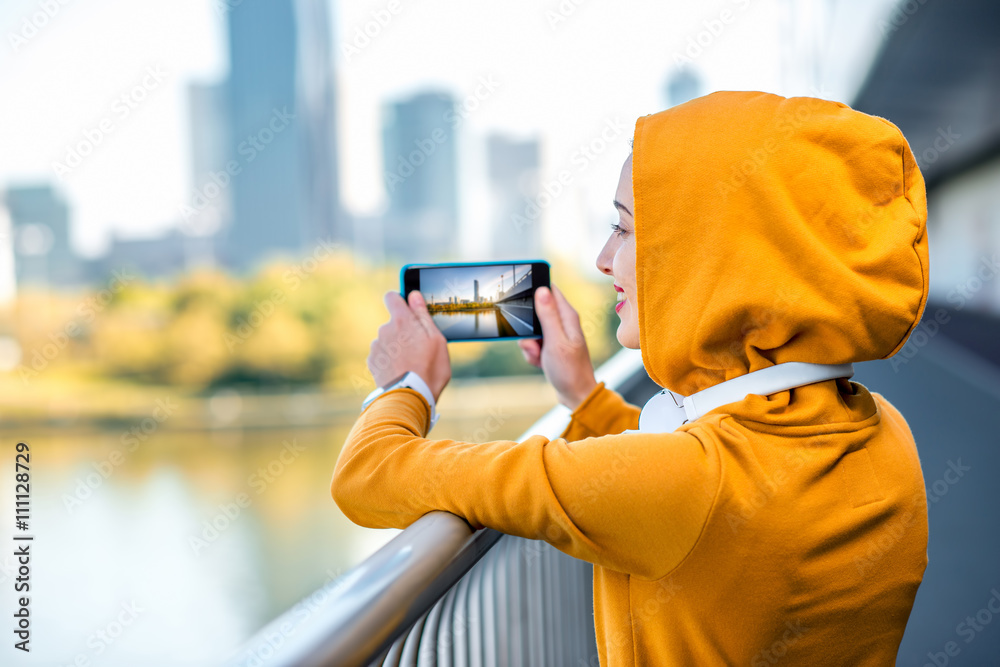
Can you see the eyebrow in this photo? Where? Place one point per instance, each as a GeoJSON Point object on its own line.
{"type": "Point", "coordinates": [620, 206]}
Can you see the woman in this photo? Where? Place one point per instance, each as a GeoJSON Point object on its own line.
{"type": "Point", "coordinates": [757, 234]}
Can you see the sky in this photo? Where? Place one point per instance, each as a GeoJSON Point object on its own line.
{"type": "Point", "coordinates": [575, 74]}
{"type": "Point", "coordinates": [442, 284]}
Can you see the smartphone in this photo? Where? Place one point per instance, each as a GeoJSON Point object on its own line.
{"type": "Point", "coordinates": [478, 301]}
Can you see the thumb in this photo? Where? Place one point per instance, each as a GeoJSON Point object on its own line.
{"type": "Point", "coordinates": [419, 308]}
{"type": "Point", "coordinates": [548, 313]}
{"type": "Point", "coordinates": [567, 315]}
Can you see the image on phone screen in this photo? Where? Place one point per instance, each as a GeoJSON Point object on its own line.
{"type": "Point", "coordinates": [474, 302]}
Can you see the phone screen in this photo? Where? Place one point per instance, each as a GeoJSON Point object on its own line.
{"type": "Point", "coordinates": [480, 301]}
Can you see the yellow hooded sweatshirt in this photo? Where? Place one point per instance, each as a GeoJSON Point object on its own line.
{"type": "Point", "coordinates": [789, 528]}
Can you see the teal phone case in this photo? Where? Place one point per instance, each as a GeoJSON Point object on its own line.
{"type": "Point", "coordinates": [402, 288]}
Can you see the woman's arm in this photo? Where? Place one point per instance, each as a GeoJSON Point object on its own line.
{"type": "Point", "coordinates": [602, 412]}
{"type": "Point", "coordinates": [634, 503]}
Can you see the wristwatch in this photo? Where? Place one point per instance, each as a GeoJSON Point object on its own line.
{"type": "Point", "coordinates": [413, 381]}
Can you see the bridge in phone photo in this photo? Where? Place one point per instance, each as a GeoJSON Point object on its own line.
{"type": "Point", "coordinates": [516, 303]}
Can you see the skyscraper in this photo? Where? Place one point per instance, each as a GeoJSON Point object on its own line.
{"type": "Point", "coordinates": [8, 277]}
{"type": "Point", "coordinates": [513, 179]}
{"type": "Point", "coordinates": [475, 291]}
{"type": "Point", "coordinates": [282, 129]}
{"type": "Point", "coordinates": [420, 176]}
{"type": "Point", "coordinates": [40, 221]}
{"type": "Point", "coordinates": [683, 85]}
{"type": "Point", "coordinates": [209, 211]}
{"type": "Point", "coordinates": [211, 206]}
{"type": "Point", "coordinates": [318, 117]}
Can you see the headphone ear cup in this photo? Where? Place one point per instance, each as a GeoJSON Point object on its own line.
{"type": "Point", "coordinates": [663, 413]}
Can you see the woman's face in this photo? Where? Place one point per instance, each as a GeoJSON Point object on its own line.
{"type": "Point", "coordinates": [617, 259]}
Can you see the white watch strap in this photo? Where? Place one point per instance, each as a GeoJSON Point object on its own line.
{"type": "Point", "coordinates": [417, 382]}
{"type": "Point", "coordinates": [414, 381]}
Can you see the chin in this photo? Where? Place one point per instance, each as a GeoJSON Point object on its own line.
{"type": "Point", "coordinates": [627, 339]}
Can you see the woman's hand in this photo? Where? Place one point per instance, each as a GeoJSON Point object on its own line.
{"type": "Point", "coordinates": [410, 341]}
{"type": "Point", "coordinates": [562, 351]}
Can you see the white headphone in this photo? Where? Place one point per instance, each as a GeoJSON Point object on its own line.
{"type": "Point", "coordinates": [667, 410]}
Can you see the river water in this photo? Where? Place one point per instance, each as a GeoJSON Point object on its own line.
{"type": "Point", "coordinates": [176, 551]}
{"type": "Point", "coordinates": [484, 323]}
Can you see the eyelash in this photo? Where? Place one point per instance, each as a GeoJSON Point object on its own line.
{"type": "Point", "coordinates": [618, 229]}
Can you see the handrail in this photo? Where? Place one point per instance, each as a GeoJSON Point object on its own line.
{"type": "Point", "coordinates": [375, 603]}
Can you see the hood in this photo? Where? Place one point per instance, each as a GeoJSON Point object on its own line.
{"type": "Point", "coordinates": [772, 229]}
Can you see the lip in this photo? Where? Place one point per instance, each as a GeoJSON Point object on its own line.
{"type": "Point", "coordinates": [618, 306]}
{"type": "Point", "coordinates": [618, 289]}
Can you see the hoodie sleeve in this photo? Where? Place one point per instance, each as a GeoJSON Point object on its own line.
{"type": "Point", "coordinates": [603, 412]}
{"type": "Point", "coordinates": [633, 503]}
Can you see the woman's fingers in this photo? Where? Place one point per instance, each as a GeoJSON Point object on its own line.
{"type": "Point", "coordinates": [548, 314]}
{"type": "Point", "coordinates": [532, 350]}
{"type": "Point", "coordinates": [568, 316]}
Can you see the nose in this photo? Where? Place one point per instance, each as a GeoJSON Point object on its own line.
{"type": "Point", "coordinates": [606, 256]}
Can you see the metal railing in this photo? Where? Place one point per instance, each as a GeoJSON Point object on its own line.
{"type": "Point", "coordinates": [440, 594]}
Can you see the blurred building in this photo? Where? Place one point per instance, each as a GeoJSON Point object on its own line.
{"type": "Point", "coordinates": [39, 221]}
{"type": "Point", "coordinates": [420, 174]}
{"type": "Point", "coordinates": [514, 190]}
{"type": "Point", "coordinates": [683, 85]}
{"type": "Point", "coordinates": [210, 208]}
{"type": "Point", "coordinates": [8, 277]}
{"type": "Point", "coordinates": [938, 79]}
{"type": "Point", "coordinates": [318, 118]}
{"type": "Point", "coordinates": [367, 240]}
{"type": "Point", "coordinates": [156, 257]}
{"type": "Point", "coordinates": [282, 130]}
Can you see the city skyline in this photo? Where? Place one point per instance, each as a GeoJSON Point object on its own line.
{"type": "Point", "coordinates": [106, 195]}
{"type": "Point", "coordinates": [443, 284]}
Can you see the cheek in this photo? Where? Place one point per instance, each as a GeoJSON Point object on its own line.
{"type": "Point", "coordinates": [624, 269]}
{"type": "Point", "coordinates": [619, 266]}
